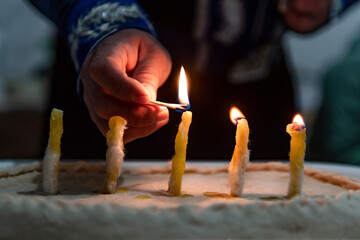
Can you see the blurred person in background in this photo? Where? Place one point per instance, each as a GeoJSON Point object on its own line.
{"type": "Point", "coordinates": [336, 135]}
{"type": "Point", "coordinates": [124, 51]}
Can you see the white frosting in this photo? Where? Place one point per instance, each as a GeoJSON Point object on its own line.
{"type": "Point", "coordinates": [19, 169]}
{"type": "Point", "coordinates": [327, 209]}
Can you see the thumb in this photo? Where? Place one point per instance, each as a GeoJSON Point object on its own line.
{"type": "Point", "coordinates": [147, 77]}
{"type": "Point", "coordinates": [152, 91]}
{"type": "Point", "coordinates": [153, 67]}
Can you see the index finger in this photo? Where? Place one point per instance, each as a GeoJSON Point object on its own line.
{"type": "Point", "coordinates": [108, 74]}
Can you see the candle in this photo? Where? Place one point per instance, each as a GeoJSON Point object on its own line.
{"type": "Point", "coordinates": [181, 140]}
{"type": "Point", "coordinates": [241, 153]}
{"type": "Point", "coordinates": [297, 131]}
{"type": "Point", "coordinates": [51, 160]}
{"type": "Point", "coordinates": [179, 159]}
{"type": "Point", "coordinates": [115, 152]}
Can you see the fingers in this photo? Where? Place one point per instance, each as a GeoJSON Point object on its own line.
{"type": "Point", "coordinates": [130, 65]}
{"type": "Point", "coordinates": [131, 133]}
{"type": "Point", "coordinates": [154, 66]}
{"type": "Point", "coordinates": [108, 73]}
{"type": "Point", "coordinates": [142, 119]}
{"type": "Point", "coordinates": [120, 77]}
{"type": "Point", "coordinates": [104, 106]}
{"type": "Point", "coordinates": [148, 78]}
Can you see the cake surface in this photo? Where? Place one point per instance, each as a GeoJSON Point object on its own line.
{"type": "Point", "coordinates": [141, 208]}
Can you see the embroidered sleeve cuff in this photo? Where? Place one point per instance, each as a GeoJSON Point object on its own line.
{"type": "Point", "coordinates": [87, 29]}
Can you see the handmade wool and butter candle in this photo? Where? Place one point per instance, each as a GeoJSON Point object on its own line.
{"type": "Point", "coordinates": [115, 152]}
{"type": "Point", "coordinates": [181, 140]}
{"type": "Point", "coordinates": [241, 153]}
{"type": "Point", "coordinates": [51, 159]}
{"type": "Point", "coordinates": [297, 131]}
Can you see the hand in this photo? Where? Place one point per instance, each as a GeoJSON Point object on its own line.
{"type": "Point", "coordinates": [305, 16]}
{"type": "Point", "coordinates": [120, 76]}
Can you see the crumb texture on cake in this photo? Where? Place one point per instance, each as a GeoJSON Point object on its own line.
{"type": "Point", "coordinates": [328, 208]}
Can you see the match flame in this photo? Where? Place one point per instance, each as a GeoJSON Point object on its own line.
{"type": "Point", "coordinates": [183, 90]}
{"type": "Point", "coordinates": [235, 115]}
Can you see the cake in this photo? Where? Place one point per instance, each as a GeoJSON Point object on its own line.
{"type": "Point", "coordinates": [140, 208]}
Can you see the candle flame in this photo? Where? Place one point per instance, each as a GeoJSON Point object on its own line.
{"type": "Point", "coordinates": [235, 115]}
{"type": "Point", "coordinates": [183, 90]}
{"type": "Point", "coordinates": [298, 120]}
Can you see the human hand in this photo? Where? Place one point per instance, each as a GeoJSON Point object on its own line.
{"type": "Point", "coordinates": [120, 76]}
{"type": "Point", "coordinates": [305, 16]}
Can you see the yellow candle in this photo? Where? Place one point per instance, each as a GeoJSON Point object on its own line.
{"type": "Point", "coordinates": [297, 131]}
{"type": "Point", "coordinates": [51, 159]}
{"type": "Point", "coordinates": [56, 130]}
{"type": "Point", "coordinates": [241, 153]}
{"type": "Point", "coordinates": [115, 152]}
{"type": "Point", "coordinates": [179, 159]}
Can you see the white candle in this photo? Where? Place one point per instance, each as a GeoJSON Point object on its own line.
{"type": "Point", "coordinates": [51, 161]}
{"type": "Point", "coordinates": [115, 152]}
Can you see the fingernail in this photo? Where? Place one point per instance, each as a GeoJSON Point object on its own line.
{"type": "Point", "coordinates": [141, 99]}
{"type": "Point", "coordinates": [151, 91]}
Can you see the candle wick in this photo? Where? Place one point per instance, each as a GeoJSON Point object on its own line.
{"type": "Point", "coordinates": [238, 119]}
{"type": "Point", "coordinates": [298, 127]}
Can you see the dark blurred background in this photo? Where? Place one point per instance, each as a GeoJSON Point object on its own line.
{"type": "Point", "coordinates": [27, 55]}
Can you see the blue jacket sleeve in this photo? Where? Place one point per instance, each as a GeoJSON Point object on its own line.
{"type": "Point", "coordinates": [84, 23]}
